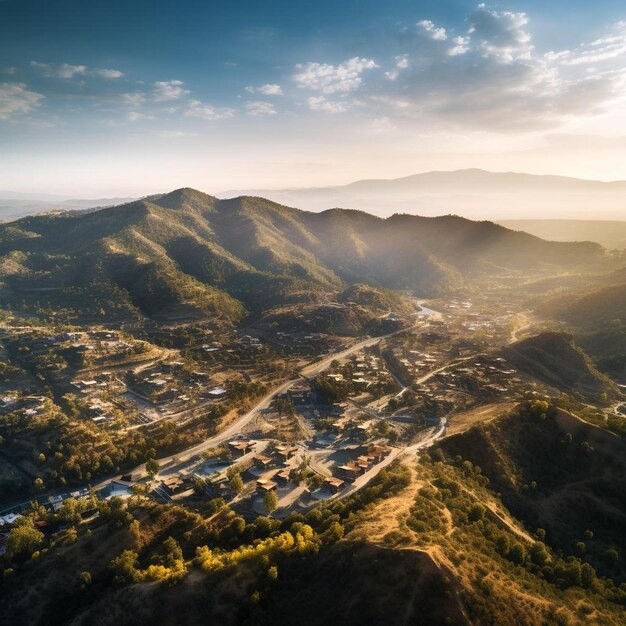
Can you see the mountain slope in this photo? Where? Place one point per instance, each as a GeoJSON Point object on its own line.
{"type": "Point", "coordinates": [554, 359]}
{"type": "Point", "coordinates": [189, 254]}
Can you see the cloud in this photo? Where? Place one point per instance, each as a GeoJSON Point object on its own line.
{"type": "Point", "coordinates": [461, 46]}
{"type": "Point", "coordinates": [269, 89]}
{"type": "Point", "coordinates": [108, 73]}
{"type": "Point", "coordinates": [608, 48]}
{"type": "Point", "coordinates": [500, 33]}
{"type": "Point", "coordinates": [133, 99]}
{"type": "Point", "coordinates": [134, 116]}
{"type": "Point", "coordinates": [207, 112]}
{"type": "Point", "coordinates": [259, 108]}
{"type": "Point", "coordinates": [491, 77]}
{"type": "Point", "coordinates": [67, 71]}
{"type": "Point", "coordinates": [434, 32]}
{"type": "Point", "coordinates": [330, 79]}
{"type": "Point", "coordinates": [164, 90]}
{"type": "Point", "coordinates": [16, 98]}
{"type": "Point", "coordinates": [320, 103]}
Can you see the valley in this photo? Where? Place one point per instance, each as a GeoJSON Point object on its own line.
{"type": "Point", "coordinates": [223, 412]}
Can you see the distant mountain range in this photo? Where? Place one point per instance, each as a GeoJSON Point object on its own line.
{"type": "Point", "coordinates": [187, 253]}
{"type": "Point", "coordinates": [473, 193]}
{"type": "Point", "coordinates": [14, 205]}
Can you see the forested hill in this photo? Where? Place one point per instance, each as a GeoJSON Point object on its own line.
{"type": "Point", "coordinates": [186, 252]}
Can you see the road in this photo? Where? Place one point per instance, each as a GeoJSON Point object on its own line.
{"type": "Point", "coordinates": [363, 480]}
{"type": "Point", "coordinates": [308, 371]}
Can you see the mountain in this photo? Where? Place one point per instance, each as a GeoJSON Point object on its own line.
{"type": "Point", "coordinates": [473, 193]}
{"type": "Point", "coordinates": [555, 359]}
{"type": "Point", "coordinates": [14, 205]}
{"type": "Point", "coordinates": [595, 306]}
{"type": "Point", "coordinates": [609, 234]}
{"type": "Point", "coordinates": [556, 472]}
{"type": "Point", "coordinates": [186, 253]}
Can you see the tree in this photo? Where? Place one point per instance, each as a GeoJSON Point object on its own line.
{"type": "Point", "coordinates": [38, 484]}
{"type": "Point", "coordinates": [235, 482]}
{"type": "Point", "coordinates": [152, 467]}
{"type": "Point", "coordinates": [24, 540]}
{"type": "Point", "coordinates": [270, 500]}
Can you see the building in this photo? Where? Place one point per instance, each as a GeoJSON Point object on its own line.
{"type": "Point", "coordinates": [334, 485]}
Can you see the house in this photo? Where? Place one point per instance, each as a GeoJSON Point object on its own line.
{"type": "Point", "coordinates": [283, 476]}
{"type": "Point", "coordinates": [261, 461]}
{"type": "Point", "coordinates": [285, 452]}
{"type": "Point", "coordinates": [241, 447]}
{"type": "Point", "coordinates": [264, 485]}
{"type": "Point", "coordinates": [9, 519]}
{"type": "Point", "coordinates": [172, 484]}
{"type": "Point", "coordinates": [334, 485]}
{"type": "Point", "coordinates": [378, 452]}
{"type": "Point", "coordinates": [56, 502]}
{"type": "Point", "coordinates": [350, 471]}
{"type": "Point", "coordinates": [363, 462]}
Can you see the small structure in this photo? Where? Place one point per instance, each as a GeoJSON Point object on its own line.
{"type": "Point", "coordinates": [285, 452]}
{"type": "Point", "coordinates": [172, 484]}
{"type": "Point", "coordinates": [334, 485]}
{"type": "Point", "coordinates": [283, 476]}
{"type": "Point", "coordinates": [350, 471]}
{"type": "Point", "coordinates": [264, 485]}
{"type": "Point", "coordinates": [241, 447]}
{"type": "Point", "coordinates": [261, 461]}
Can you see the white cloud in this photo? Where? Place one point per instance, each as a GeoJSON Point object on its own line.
{"type": "Point", "coordinates": [16, 98]}
{"type": "Point", "coordinates": [207, 112]}
{"type": "Point", "coordinates": [461, 46]}
{"type": "Point", "coordinates": [168, 90]}
{"type": "Point", "coordinates": [134, 116]}
{"type": "Point", "coordinates": [269, 89]}
{"type": "Point", "coordinates": [330, 79]}
{"type": "Point", "coordinates": [608, 48]}
{"type": "Point", "coordinates": [438, 34]}
{"type": "Point", "coordinates": [67, 71]}
{"type": "Point", "coordinates": [108, 73]}
{"type": "Point", "coordinates": [402, 61]}
{"type": "Point", "coordinates": [491, 77]}
{"type": "Point", "coordinates": [258, 108]}
{"type": "Point", "coordinates": [133, 99]}
{"type": "Point", "coordinates": [320, 103]}
{"type": "Point", "coordinates": [500, 33]}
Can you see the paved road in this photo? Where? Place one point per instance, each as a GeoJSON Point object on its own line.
{"type": "Point", "coordinates": [363, 480]}
{"type": "Point", "coordinates": [309, 371]}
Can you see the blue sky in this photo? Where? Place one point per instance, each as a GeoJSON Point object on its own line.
{"type": "Point", "coordinates": [133, 97]}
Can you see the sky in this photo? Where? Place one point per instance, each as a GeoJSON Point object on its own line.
{"type": "Point", "coordinates": [130, 97]}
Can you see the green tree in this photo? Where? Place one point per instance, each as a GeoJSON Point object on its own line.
{"type": "Point", "coordinates": [23, 540]}
{"type": "Point", "coordinates": [270, 501]}
{"type": "Point", "coordinates": [152, 467]}
{"type": "Point", "coordinates": [235, 482]}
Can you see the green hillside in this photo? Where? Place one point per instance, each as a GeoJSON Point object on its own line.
{"type": "Point", "coordinates": [555, 359]}
{"type": "Point", "coordinates": [187, 254]}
